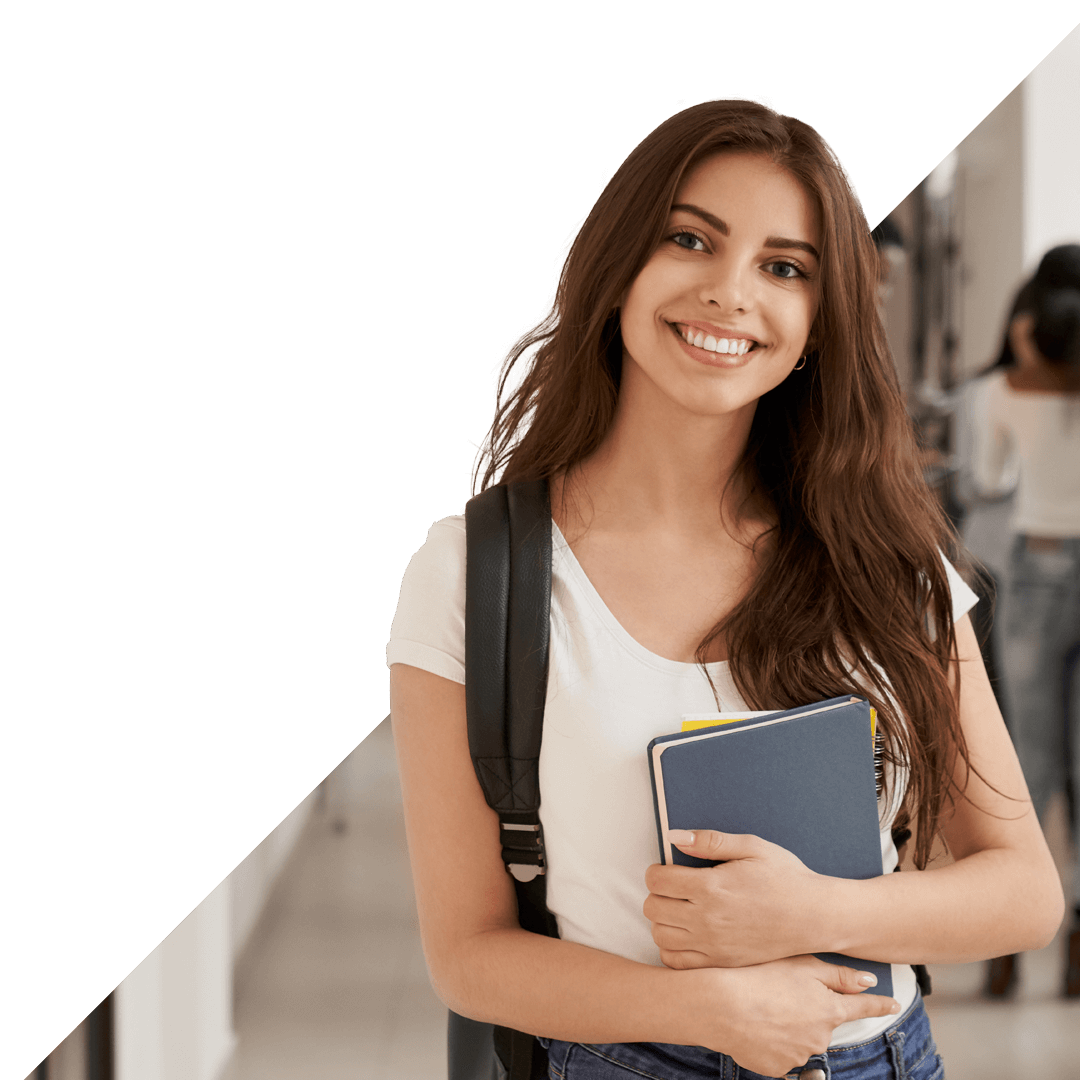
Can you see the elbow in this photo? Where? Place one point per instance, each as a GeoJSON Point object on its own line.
{"type": "Point", "coordinates": [1055, 917]}
{"type": "Point", "coordinates": [456, 975]}
{"type": "Point", "coordinates": [449, 982]}
{"type": "Point", "coordinates": [1045, 913]}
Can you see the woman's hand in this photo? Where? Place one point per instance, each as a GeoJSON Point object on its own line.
{"type": "Point", "coordinates": [761, 904]}
{"type": "Point", "coordinates": [773, 1017]}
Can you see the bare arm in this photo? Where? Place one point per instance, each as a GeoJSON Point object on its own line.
{"type": "Point", "coordinates": [1002, 894]}
{"type": "Point", "coordinates": [484, 965]}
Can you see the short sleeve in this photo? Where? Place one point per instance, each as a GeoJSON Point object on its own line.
{"type": "Point", "coordinates": [428, 631]}
{"type": "Point", "coordinates": [963, 596]}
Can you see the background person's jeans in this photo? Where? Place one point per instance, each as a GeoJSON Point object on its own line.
{"type": "Point", "coordinates": [905, 1051]}
{"type": "Point", "coordinates": [1040, 639]}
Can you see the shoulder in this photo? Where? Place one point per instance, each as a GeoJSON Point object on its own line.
{"type": "Point", "coordinates": [429, 625]}
{"type": "Point", "coordinates": [441, 560]}
{"type": "Point", "coordinates": [449, 526]}
{"type": "Point", "coordinates": [446, 538]}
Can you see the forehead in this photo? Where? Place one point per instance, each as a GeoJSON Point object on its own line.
{"type": "Point", "coordinates": [752, 194]}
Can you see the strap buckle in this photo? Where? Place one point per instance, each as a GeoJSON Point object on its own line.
{"type": "Point", "coordinates": [524, 872]}
{"type": "Point", "coordinates": [525, 845]}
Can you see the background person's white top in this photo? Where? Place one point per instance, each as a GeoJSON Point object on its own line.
{"type": "Point", "coordinates": [1032, 439]}
{"type": "Point", "coordinates": [608, 696]}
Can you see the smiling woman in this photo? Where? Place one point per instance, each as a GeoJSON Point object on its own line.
{"type": "Point", "coordinates": [730, 250]}
{"type": "Point", "coordinates": [738, 521]}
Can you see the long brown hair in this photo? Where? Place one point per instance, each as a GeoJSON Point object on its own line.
{"type": "Point", "coordinates": [852, 578]}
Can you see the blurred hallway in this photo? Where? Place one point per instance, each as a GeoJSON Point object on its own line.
{"type": "Point", "coordinates": [333, 984]}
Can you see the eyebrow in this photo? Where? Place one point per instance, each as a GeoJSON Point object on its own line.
{"type": "Point", "coordinates": [723, 229]}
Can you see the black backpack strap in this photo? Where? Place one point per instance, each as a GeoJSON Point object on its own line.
{"type": "Point", "coordinates": [507, 613]}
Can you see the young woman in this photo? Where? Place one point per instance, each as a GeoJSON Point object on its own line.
{"type": "Point", "coordinates": [1024, 417]}
{"type": "Point", "coordinates": [739, 521]}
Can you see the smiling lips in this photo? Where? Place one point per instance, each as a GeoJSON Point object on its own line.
{"type": "Point", "coordinates": [732, 346]}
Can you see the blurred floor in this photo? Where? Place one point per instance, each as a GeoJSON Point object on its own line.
{"type": "Point", "coordinates": [333, 986]}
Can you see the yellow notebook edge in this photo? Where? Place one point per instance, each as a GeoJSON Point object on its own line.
{"type": "Point", "coordinates": [694, 721]}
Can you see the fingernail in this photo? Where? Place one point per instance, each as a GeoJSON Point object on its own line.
{"type": "Point", "coordinates": [868, 979]}
{"type": "Point", "coordinates": [681, 837]}
{"type": "Point", "coordinates": [895, 1007]}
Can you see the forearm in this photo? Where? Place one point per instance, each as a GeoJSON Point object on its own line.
{"type": "Point", "coordinates": [570, 992]}
{"type": "Point", "coordinates": [769, 1017]}
{"type": "Point", "coordinates": [990, 903]}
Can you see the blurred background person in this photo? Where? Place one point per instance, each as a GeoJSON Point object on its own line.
{"type": "Point", "coordinates": [1023, 422]}
{"type": "Point", "coordinates": [892, 255]}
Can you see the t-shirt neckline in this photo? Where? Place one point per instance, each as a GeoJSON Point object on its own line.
{"type": "Point", "coordinates": [616, 628]}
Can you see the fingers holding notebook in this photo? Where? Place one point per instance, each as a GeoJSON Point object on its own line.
{"type": "Point", "coordinates": [756, 906]}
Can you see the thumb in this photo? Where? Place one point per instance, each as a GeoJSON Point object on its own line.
{"type": "Point", "coordinates": [709, 844]}
{"type": "Point", "coordinates": [846, 980]}
{"type": "Point", "coordinates": [852, 982]}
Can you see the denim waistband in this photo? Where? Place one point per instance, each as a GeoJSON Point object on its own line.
{"type": "Point", "coordinates": [904, 1051]}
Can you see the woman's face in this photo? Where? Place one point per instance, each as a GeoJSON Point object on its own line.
{"type": "Point", "coordinates": [721, 312]}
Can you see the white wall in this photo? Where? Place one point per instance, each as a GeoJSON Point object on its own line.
{"type": "Point", "coordinates": [1052, 152]}
{"type": "Point", "coordinates": [1019, 188]}
{"type": "Point", "coordinates": [991, 194]}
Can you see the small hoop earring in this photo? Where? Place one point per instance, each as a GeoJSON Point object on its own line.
{"type": "Point", "coordinates": [801, 364]}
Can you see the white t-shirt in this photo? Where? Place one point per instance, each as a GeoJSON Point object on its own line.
{"type": "Point", "coordinates": [607, 697]}
{"type": "Point", "coordinates": [1031, 439]}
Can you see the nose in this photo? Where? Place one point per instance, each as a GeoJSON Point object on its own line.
{"type": "Point", "coordinates": [728, 284]}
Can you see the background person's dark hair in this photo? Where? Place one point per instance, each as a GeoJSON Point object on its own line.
{"type": "Point", "coordinates": [851, 576]}
{"type": "Point", "coordinates": [1052, 296]}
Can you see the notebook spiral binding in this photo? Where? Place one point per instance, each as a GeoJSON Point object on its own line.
{"type": "Point", "coordinates": [879, 762]}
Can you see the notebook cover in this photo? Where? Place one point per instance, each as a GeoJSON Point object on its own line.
{"type": "Point", "coordinates": [803, 779]}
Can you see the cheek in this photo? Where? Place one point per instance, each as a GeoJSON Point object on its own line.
{"type": "Point", "coordinates": [637, 311]}
{"type": "Point", "coordinates": [801, 319]}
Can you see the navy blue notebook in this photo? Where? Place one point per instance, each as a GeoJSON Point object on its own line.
{"type": "Point", "coordinates": [803, 779]}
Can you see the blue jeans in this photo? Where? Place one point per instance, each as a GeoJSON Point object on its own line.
{"type": "Point", "coordinates": [1040, 639]}
{"type": "Point", "coordinates": [905, 1051]}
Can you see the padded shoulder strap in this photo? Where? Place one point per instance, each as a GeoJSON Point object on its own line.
{"type": "Point", "coordinates": [507, 609]}
{"type": "Point", "coordinates": [487, 599]}
{"type": "Point", "coordinates": [507, 613]}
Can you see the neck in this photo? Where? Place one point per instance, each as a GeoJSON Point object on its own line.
{"type": "Point", "coordinates": [662, 465]}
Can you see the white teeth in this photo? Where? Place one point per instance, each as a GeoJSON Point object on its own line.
{"type": "Point", "coordinates": [731, 346]}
